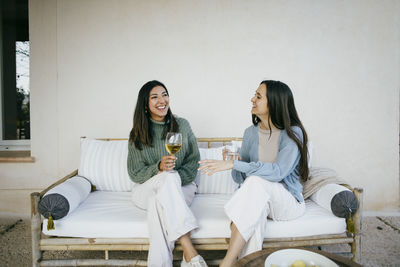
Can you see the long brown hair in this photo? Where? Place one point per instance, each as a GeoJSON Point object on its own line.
{"type": "Point", "coordinates": [142, 131]}
{"type": "Point", "coordinates": [283, 115]}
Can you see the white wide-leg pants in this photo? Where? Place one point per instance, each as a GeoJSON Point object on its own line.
{"type": "Point", "coordinates": [256, 200]}
{"type": "Point", "coordinates": [168, 213]}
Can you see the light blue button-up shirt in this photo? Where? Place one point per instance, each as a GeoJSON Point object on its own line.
{"type": "Point", "coordinates": [284, 169]}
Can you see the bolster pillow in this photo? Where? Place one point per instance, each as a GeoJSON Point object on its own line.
{"type": "Point", "coordinates": [336, 198]}
{"type": "Point", "coordinates": [63, 199]}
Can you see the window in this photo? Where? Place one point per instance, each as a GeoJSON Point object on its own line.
{"type": "Point", "coordinates": [14, 76]}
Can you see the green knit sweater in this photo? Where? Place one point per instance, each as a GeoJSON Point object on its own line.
{"type": "Point", "coordinates": [143, 164]}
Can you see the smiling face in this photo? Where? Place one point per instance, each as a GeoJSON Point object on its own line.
{"type": "Point", "coordinates": [260, 102]}
{"type": "Point", "coordinates": [158, 103]}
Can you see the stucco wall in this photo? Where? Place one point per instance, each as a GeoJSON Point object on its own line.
{"type": "Point", "coordinates": [90, 58]}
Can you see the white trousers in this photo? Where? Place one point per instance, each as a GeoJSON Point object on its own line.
{"type": "Point", "coordinates": [168, 214]}
{"type": "Point", "coordinates": [253, 202]}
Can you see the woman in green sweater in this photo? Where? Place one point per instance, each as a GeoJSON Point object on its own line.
{"type": "Point", "coordinates": [165, 195]}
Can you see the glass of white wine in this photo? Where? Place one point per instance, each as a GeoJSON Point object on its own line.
{"type": "Point", "coordinates": [173, 143]}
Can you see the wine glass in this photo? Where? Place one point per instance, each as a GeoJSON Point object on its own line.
{"type": "Point", "coordinates": [173, 143]}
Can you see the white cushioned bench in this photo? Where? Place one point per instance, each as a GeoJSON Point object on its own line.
{"type": "Point", "coordinates": [107, 219]}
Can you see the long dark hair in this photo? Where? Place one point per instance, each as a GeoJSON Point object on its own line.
{"type": "Point", "coordinates": [141, 133]}
{"type": "Point", "coordinates": [283, 115]}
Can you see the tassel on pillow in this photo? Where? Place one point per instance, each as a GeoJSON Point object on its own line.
{"type": "Point", "coordinates": [350, 224]}
{"type": "Point", "coordinates": [50, 223]}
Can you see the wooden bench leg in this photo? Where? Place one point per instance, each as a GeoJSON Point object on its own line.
{"type": "Point", "coordinates": [356, 245]}
{"type": "Point", "coordinates": [35, 229]}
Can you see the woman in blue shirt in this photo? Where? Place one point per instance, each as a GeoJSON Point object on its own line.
{"type": "Point", "coordinates": [273, 159]}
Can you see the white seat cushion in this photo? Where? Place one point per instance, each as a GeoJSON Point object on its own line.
{"type": "Point", "coordinates": [112, 214]}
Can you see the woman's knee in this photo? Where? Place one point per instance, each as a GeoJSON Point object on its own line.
{"type": "Point", "coordinates": [172, 177]}
{"type": "Point", "coordinates": [253, 181]}
{"type": "Point", "coordinates": [251, 185]}
{"type": "Point", "coordinates": [258, 182]}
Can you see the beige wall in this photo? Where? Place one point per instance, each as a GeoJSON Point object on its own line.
{"type": "Point", "coordinates": [341, 59]}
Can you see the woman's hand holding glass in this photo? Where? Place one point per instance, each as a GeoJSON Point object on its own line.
{"type": "Point", "coordinates": [173, 143]}
{"type": "Point", "coordinates": [167, 163]}
{"type": "Point", "coordinates": [211, 166]}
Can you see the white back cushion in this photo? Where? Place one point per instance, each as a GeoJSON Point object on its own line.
{"type": "Point", "coordinates": [218, 183]}
{"type": "Point", "coordinates": [104, 163]}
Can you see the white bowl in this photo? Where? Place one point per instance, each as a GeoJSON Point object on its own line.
{"type": "Point", "coordinates": [286, 257]}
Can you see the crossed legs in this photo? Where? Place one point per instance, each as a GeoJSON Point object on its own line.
{"type": "Point", "coordinates": [248, 210]}
{"type": "Point", "coordinates": [169, 216]}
